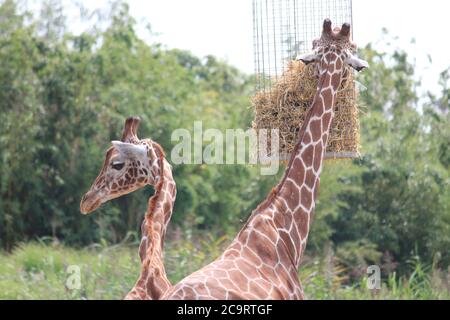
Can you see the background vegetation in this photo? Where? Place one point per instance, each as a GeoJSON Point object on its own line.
{"type": "Point", "coordinates": [63, 97]}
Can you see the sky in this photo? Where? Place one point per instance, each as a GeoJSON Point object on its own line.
{"type": "Point", "coordinates": [224, 28]}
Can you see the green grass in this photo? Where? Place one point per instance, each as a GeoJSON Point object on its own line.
{"type": "Point", "coordinates": [39, 271]}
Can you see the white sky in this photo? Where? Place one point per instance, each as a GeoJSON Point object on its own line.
{"type": "Point", "coordinates": [224, 28]}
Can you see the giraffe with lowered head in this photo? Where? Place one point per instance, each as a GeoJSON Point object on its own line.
{"type": "Point", "coordinates": [263, 260]}
{"type": "Point", "coordinates": [131, 164]}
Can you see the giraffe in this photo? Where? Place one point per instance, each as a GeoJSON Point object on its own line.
{"type": "Point", "coordinates": [131, 164]}
{"type": "Point", "coordinates": [263, 260]}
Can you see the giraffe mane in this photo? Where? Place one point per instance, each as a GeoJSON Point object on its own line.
{"type": "Point", "coordinates": [152, 202]}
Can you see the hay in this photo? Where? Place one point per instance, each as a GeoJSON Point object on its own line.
{"type": "Point", "coordinates": [284, 107]}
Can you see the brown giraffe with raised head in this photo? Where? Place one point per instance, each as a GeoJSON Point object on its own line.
{"type": "Point", "coordinates": [131, 164]}
{"type": "Point", "coordinates": [263, 260]}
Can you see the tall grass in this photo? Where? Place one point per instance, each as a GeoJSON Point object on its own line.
{"type": "Point", "coordinates": [39, 271]}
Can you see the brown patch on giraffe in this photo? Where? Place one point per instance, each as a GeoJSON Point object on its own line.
{"type": "Point", "coordinates": [228, 265]}
{"type": "Point", "coordinates": [277, 294]}
{"type": "Point", "coordinates": [249, 270]}
{"type": "Point", "coordinates": [263, 249]}
{"type": "Point", "coordinates": [286, 244]}
{"type": "Point", "coordinates": [267, 272]}
{"type": "Point", "coordinates": [331, 68]}
{"type": "Point", "coordinates": [310, 178]}
{"type": "Point", "coordinates": [291, 194]}
{"type": "Point", "coordinates": [235, 295]}
{"type": "Point", "coordinates": [298, 171]}
{"type": "Point", "coordinates": [239, 278]}
{"type": "Point", "coordinates": [306, 198]}
{"type": "Point", "coordinates": [326, 81]}
{"type": "Point", "coordinates": [189, 293]}
{"type": "Point", "coordinates": [336, 81]}
{"type": "Point", "coordinates": [281, 207]}
{"type": "Point", "coordinates": [279, 219]}
{"type": "Point", "coordinates": [326, 119]}
{"type": "Point", "coordinates": [338, 64]}
{"type": "Point", "coordinates": [227, 283]}
{"type": "Point", "coordinates": [231, 253]}
{"type": "Point", "coordinates": [307, 156]}
{"type": "Point", "coordinates": [327, 97]}
{"type": "Point", "coordinates": [316, 129]}
{"type": "Point", "coordinates": [120, 182]}
{"type": "Point", "coordinates": [249, 255]}
{"type": "Point", "coordinates": [303, 223]}
{"type": "Point", "coordinates": [330, 56]}
{"type": "Point", "coordinates": [216, 290]}
{"type": "Point", "coordinates": [325, 139]}
{"type": "Point", "coordinates": [266, 227]}
{"type": "Point", "coordinates": [141, 180]}
{"type": "Point", "coordinates": [217, 273]}
{"type": "Point", "coordinates": [306, 138]}
{"type": "Point", "coordinates": [167, 207]}
{"type": "Point", "coordinates": [258, 290]}
{"type": "Point", "coordinates": [318, 157]}
{"type": "Point", "coordinates": [295, 233]}
{"type": "Point", "coordinates": [114, 186]}
{"type": "Point", "coordinates": [282, 274]}
{"type": "Point", "coordinates": [317, 107]}
{"type": "Point", "coordinates": [201, 289]}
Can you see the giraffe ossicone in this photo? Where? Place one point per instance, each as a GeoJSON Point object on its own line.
{"type": "Point", "coordinates": [131, 164]}
{"type": "Point", "coordinates": [263, 260]}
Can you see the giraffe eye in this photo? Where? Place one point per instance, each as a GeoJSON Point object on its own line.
{"type": "Point", "coordinates": [118, 165]}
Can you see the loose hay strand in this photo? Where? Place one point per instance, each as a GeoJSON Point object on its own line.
{"type": "Point", "coordinates": [284, 107]}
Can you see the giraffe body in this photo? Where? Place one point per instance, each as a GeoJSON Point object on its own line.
{"type": "Point", "coordinates": [263, 260]}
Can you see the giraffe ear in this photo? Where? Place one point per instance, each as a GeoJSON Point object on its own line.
{"type": "Point", "coordinates": [356, 63]}
{"type": "Point", "coordinates": [307, 58]}
{"type": "Point", "coordinates": [129, 149]}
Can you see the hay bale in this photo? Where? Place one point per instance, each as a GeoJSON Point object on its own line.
{"type": "Point", "coordinates": [284, 107]}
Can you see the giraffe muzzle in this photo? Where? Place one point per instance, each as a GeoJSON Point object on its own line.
{"type": "Point", "coordinates": [89, 203]}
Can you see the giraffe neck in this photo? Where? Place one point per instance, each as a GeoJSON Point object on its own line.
{"type": "Point", "coordinates": [153, 281]}
{"type": "Point", "coordinates": [298, 190]}
{"type": "Point", "coordinates": [289, 208]}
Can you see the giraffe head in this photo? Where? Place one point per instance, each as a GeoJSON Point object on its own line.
{"type": "Point", "coordinates": [334, 46]}
{"type": "Point", "coordinates": [129, 164]}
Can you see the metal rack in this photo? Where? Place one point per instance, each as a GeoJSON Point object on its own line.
{"type": "Point", "coordinates": [284, 28]}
